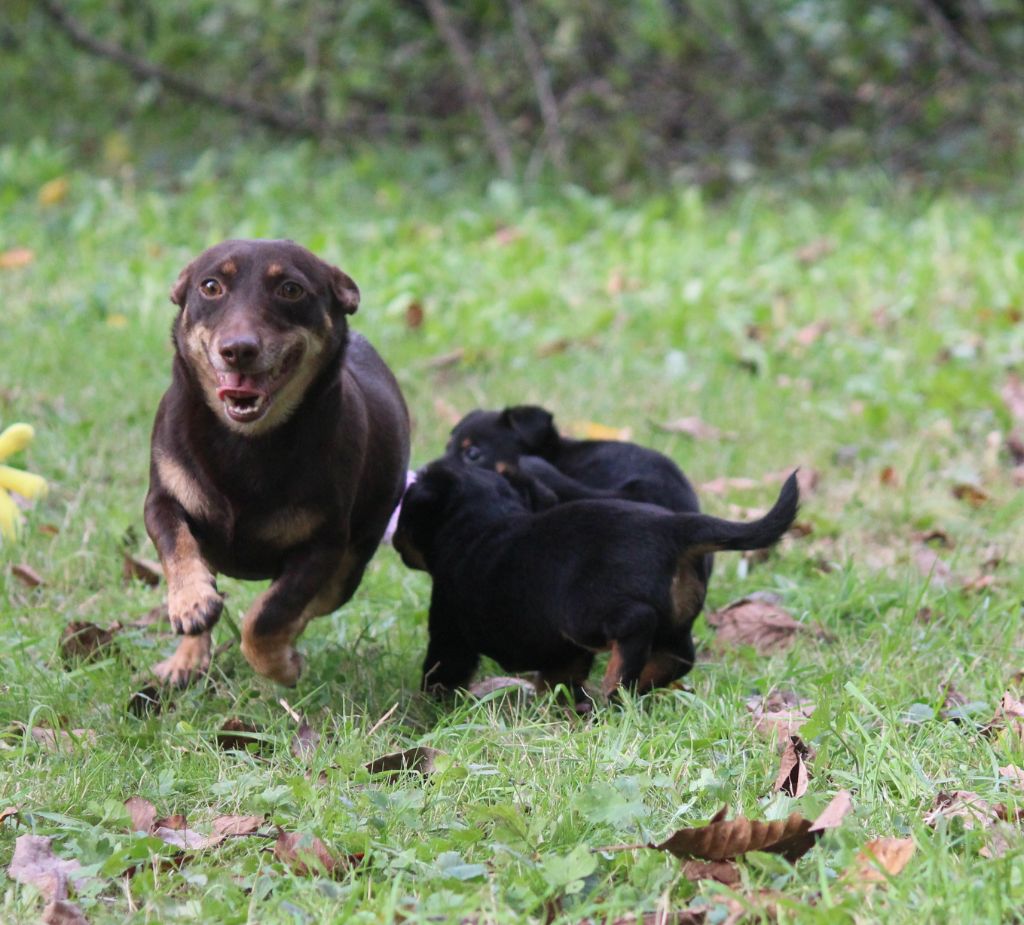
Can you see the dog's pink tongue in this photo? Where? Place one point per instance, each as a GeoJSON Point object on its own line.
{"type": "Point", "coordinates": [236, 385]}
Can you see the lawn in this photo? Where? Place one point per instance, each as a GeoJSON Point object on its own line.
{"type": "Point", "coordinates": [855, 326]}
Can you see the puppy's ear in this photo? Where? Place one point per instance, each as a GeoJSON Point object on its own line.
{"type": "Point", "coordinates": [534, 425]}
{"type": "Point", "coordinates": [344, 290]}
{"type": "Point", "coordinates": [179, 291]}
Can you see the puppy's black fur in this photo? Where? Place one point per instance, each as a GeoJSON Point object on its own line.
{"type": "Point", "coordinates": [545, 591]}
{"type": "Point", "coordinates": [279, 450]}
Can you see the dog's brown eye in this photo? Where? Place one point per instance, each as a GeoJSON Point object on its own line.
{"type": "Point", "coordinates": [290, 290]}
{"type": "Point", "coordinates": [211, 288]}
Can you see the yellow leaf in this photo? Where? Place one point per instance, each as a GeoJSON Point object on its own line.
{"type": "Point", "coordinates": [590, 430]}
{"type": "Point", "coordinates": [54, 192]}
{"type": "Point", "coordinates": [117, 320]}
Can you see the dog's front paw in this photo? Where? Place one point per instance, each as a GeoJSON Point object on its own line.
{"type": "Point", "coordinates": [190, 661]}
{"type": "Point", "coordinates": [280, 662]}
{"type": "Point", "coordinates": [194, 605]}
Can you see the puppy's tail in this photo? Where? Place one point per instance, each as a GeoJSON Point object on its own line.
{"type": "Point", "coordinates": [701, 533]}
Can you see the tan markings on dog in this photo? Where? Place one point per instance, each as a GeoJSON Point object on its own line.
{"type": "Point", "coordinates": [687, 591]}
{"type": "Point", "coordinates": [289, 527]}
{"type": "Point", "coordinates": [613, 673]}
{"type": "Point", "coordinates": [291, 393]}
{"type": "Point", "coordinates": [190, 660]}
{"type": "Point", "coordinates": [193, 603]}
{"type": "Point", "coordinates": [275, 269]}
{"type": "Point", "coordinates": [182, 486]}
{"type": "Point", "coordinates": [228, 268]}
{"type": "Point", "coordinates": [466, 442]}
{"type": "Point", "coordinates": [272, 654]}
{"type": "Point", "coordinates": [662, 668]}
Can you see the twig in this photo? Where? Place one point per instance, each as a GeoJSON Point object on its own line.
{"type": "Point", "coordinates": [290, 710]}
{"type": "Point", "coordinates": [541, 84]}
{"type": "Point", "coordinates": [382, 721]}
{"type": "Point", "coordinates": [147, 70]}
{"type": "Point", "coordinates": [497, 138]}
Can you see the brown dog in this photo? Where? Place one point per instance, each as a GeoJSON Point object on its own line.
{"type": "Point", "coordinates": [279, 450]}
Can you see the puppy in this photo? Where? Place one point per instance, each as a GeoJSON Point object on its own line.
{"type": "Point", "coordinates": [279, 450]}
{"type": "Point", "coordinates": [546, 591]}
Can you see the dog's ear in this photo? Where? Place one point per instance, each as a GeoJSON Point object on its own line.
{"type": "Point", "coordinates": [534, 425]}
{"type": "Point", "coordinates": [179, 291]}
{"type": "Point", "coordinates": [344, 290]}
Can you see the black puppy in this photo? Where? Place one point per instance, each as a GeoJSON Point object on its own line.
{"type": "Point", "coordinates": [546, 591]}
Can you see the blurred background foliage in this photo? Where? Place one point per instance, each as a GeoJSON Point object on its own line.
{"type": "Point", "coordinates": [598, 92]}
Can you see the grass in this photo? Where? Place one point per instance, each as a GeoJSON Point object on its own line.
{"type": "Point", "coordinates": [623, 314]}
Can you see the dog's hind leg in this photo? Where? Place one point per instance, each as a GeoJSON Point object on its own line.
{"type": "Point", "coordinates": [632, 634]}
{"type": "Point", "coordinates": [670, 659]}
{"type": "Point", "coordinates": [450, 660]}
{"type": "Point", "coordinates": [188, 663]}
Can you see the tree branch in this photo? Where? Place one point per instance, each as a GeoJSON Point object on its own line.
{"type": "Point", "coordinates": [497, 138]}
{"type": "Point", "coordinates": [541, 85]}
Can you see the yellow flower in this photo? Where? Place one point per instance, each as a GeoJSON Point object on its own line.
{"type": "Point", "coordinates": [14, 439]}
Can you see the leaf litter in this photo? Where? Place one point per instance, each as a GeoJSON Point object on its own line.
{"type": "Point", "coordinates": [757, 620]}
{"type": "Point", "coordinates": [780, 714]}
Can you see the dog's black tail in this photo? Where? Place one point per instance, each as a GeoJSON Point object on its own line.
{"type": "Point", "coordinates": [701, 533]}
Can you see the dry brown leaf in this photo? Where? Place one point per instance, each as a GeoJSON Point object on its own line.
{"type": "Point", "coordinates": [237, 734]}
{"type": "Point", "coordinates": [1008, 715]}
{"type": "Point", "coordinates": [723, 839]}
{"type": "Point", "coordinates": [974, 495]}
{"type": "Point", "coordinates": [9, 812]}
{"type": "Point", "coordinates": [229, 826]}
{"type": "Point", "coordinates": [978, 583]}
{"type": "Point", "coordinates": [962, 804]}
{"type": "Point", "coordinates": [661, 917]}
{"type": "Point", "coordinates": [932, 566]}
{"type": "Point", "coordinates": [414, 315]}
{"type": "Point", "coordinates": [54, 739]}
{"type": "Point", "coordinates": [889, 477]}
{"type": "Point", "coordinates": [419, 759]}
{"type": "Point", "coordinates": [145, 570]}
{"type": "Point", "coordinates": [1015, 446]}
{"type": "Point", "coordinates": [882, 858]}
{"type": "Point", "coordinates": [1009, 771]}
{"type": "Point", "coordinates": [16, 257]}
{"type": "Point", "coordinates": [82, 641]}
{"type": "Point", "coordinates": [142, 814]}
{"type": "Point", "coordinates": [62, 912]}
{"type": "Point", "coordinates": [721, 871]}
{"type": "Point", "coordinates": [794, 775]}
{"type": "Point", "coordinates": [1012, 393]}
{"type": "Point", "coordinates": [781, 713]}
{"type": "Point", "coordinates": [446, 360]}
{"type": "Point", "coordinates": [174, 829]}
{"type": "Point", "coordinates": [34, 862]}
{"type": "Point", "coordinates": [305, 741]}
{"type": "Point", "coordinates": [693, 427]}
{"type": "Point", "coordinates": [27, 575]}
{"type": "Point", "coordinates": [490, 685]}
{"type": "Point", "coordinates": [553, 347]}
{"type": "Point", "coordinates": [754, 621]}
{"type": "Point", "coordinates": [814, 250]}
{"type": "Point", "coordinates": [307, 856]}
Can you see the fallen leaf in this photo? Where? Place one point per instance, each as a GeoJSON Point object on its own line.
{"type": "Point", "coordinates": [814, 250]}
{"type": "Point", "coordinates": [54, 191]}
{"type": "Point", "coordinates": [62, 912]}
{"type": "Point", "coordinates": [144, 570]}
{"type": "Point", "coordinates": [889, 477]}
{"type": "Point", "coordinates": [961, 804]}
{"type": "Point", "coordinates": [307, 856]}
{"type": "Point", "coordinates": [591, 430]}
{"type": "Point", "coordinates": [882, 858]}
{"type": "Point", "coordinates": [932, 566]}
{"type": "Point", "coordinates": [553, 347]}
{"type": "Point", "coordinates": [723, 839]}
{"type": "Point", "coordinates": [86, 642]}
{"type": "Point", "coordinates": [149, 701]}
{"type": "Point", "coordinates": [1008, 715]}
{"type": "Point", "coordinates": [8, 812]}
{"type": "Point", "coordinates": [780, 714]}
{"type": "Point", "coordinates": [1010, 771]}
{"type": "Point", "coordinates": [16, 257]}
{"type": "Point", "coordinates": [447, 412]}
{"type": "Point", "coordinates": [35, 863]}
{"type": "Point", "coordinates": [142, 814]}
{"type": "Point", "coordinates": [55, 739]}
{"type": "Point", "coordinates": [414, 315]}
{"type": "Point", "coordinates": [237, 734]}
{"type": "Point", "coordinates": [420, 759]}
{"type": "Point", "coordinates": [498, 683]}
{"type": "Point", "coordinates": [974, 495]}
{"type": "Point", "coordinates": [756, 622]}
{"type": "Point", "coordinates": [661, 917]}
{"type": "Point", "coordinates": [230, 826]}
{"type": "Point", "coordinates": [305, 741]}
{"type": "Point", "coordinates": [721, 871]}
{"type": "Point", "coordinates": [794, 775]}
{"type": "Point", "coordinates": [1012, 393]}
{"type": "Point", "coordinates": [446, 360]}
{"type": "Point", "coordinates": [692, 427]}
{"type": "Point", "coordinates": [810, 333]}
{"type": "Point", "coordinates": [979, 583]}
{"type": "Point", "coordinates": [27, 575]}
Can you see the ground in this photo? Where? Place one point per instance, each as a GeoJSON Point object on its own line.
{"type": "Point", "coordinates": [855, 325]}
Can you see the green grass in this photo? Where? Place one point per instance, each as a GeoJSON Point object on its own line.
{"type": "Point", "coordinates": [669, 306]}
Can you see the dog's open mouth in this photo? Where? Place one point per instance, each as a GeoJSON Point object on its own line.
{"type": "Point", "coordinates": [247, 396]}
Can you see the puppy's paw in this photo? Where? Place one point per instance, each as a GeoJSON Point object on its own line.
{"type": "Point", "coordinates": [194, 605]}
{"type": "Point", "coordinates": [190, 661]}
{"type": "Point", "coordinates": [280, 662]}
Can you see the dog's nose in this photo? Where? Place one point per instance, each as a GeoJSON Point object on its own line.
{"type": "Point", "coordinates": [239, 350]}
